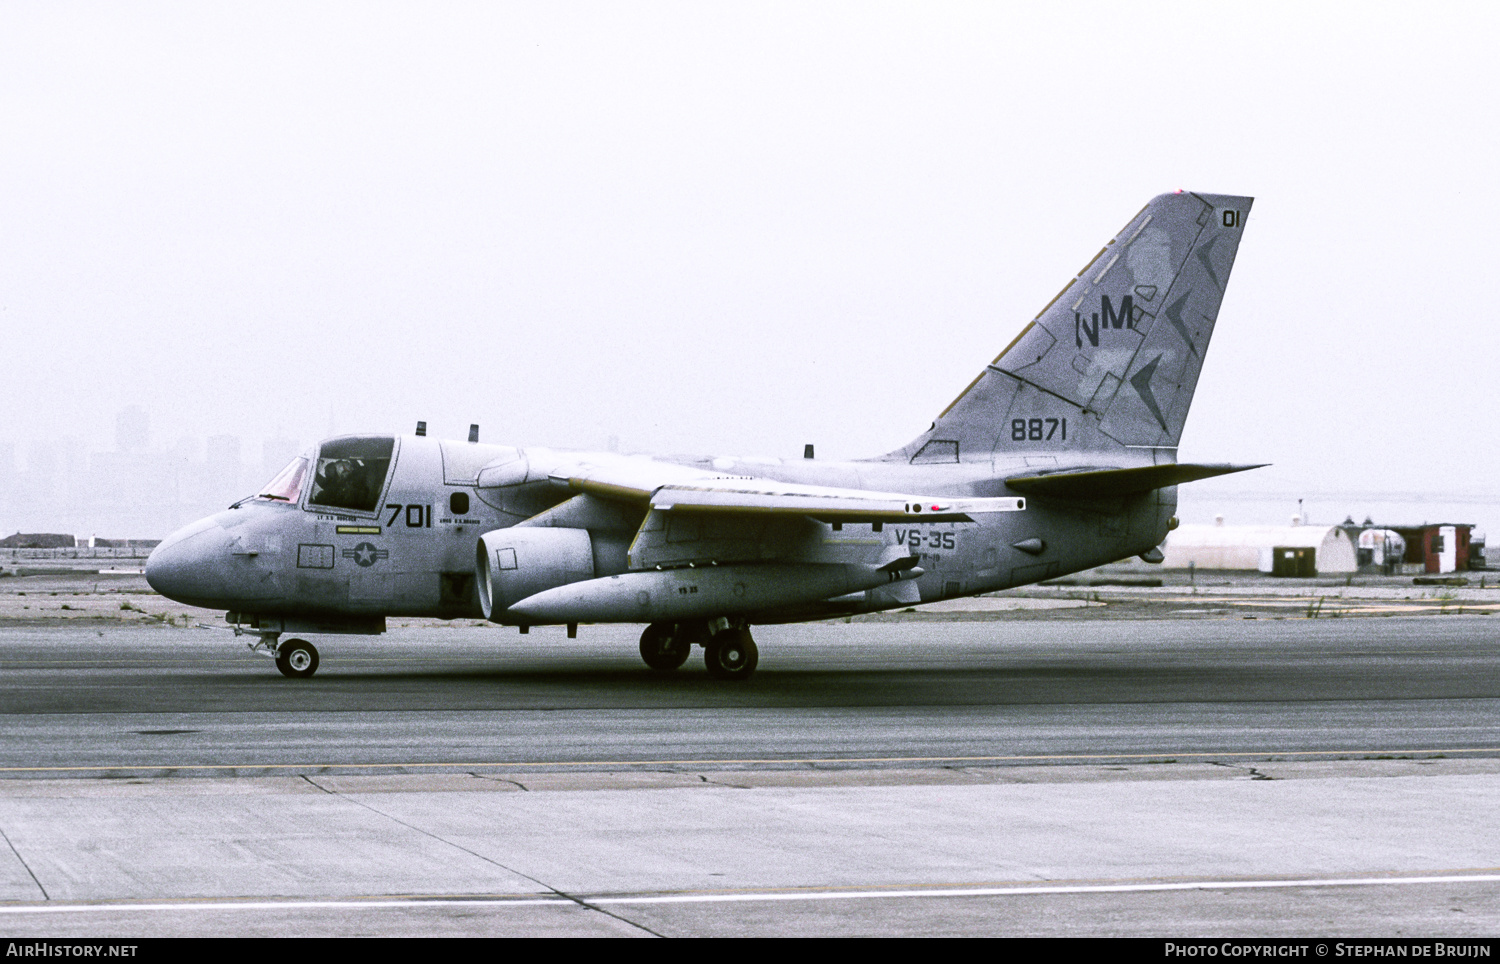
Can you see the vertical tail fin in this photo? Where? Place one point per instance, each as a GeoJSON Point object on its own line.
{"type": "Point", "coordinates": [1116, 354]}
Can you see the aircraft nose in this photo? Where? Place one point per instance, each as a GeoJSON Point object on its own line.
{"type": "Point", "coordinates": [188, 565]}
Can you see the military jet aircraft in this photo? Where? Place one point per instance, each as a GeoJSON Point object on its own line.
{"type": "Point", "coordinates": [1060, 456]}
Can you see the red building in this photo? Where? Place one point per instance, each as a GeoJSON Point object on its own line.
{"type": "Point", "coordinates": [1438, 546]}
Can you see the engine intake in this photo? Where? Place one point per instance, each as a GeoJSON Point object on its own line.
{"type": "Point", "coordinates": [515, 563]}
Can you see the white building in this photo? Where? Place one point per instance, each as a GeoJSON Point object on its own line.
{"type": "Point", "coordinates": [1250, 547]}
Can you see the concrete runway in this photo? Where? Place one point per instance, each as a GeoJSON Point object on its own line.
{"type": "Point", "coordinates": [129, 700]}
{"type": "Point", "coordinates": [1144, 776]}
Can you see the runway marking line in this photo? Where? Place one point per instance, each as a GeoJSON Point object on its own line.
{"type": "Point", "coordinates": [868, 893]}
{"type": "Point", "coordinates": [515, 765]}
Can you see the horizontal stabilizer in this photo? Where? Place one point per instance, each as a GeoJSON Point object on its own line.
{"type": "Point", "coordinates": [1107, 483]}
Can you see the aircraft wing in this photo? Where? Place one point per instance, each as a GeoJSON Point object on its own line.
{"type": "Point", "coordinates": [826, 504]}
{"type": "Point", "coordinates": [671, 488]}
{"type": "Point", "coordinates": [626, 478]}
{"type": "Point", "coordinates": [1106, 483]}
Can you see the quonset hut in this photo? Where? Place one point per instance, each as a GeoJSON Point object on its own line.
{"type": "Point", "coordinates": [1276, 550]}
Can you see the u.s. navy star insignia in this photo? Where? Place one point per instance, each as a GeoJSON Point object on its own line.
{"type": "Point", "coordinates": [365, 554]}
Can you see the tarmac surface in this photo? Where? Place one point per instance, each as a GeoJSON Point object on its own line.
{"type": "Point", "coordinates": [1084, 761]}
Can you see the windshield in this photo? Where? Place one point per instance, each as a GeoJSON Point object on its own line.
{"type": "Point", "coordinates": [351, 472]}
{"type": "Point", "coordinates": [287, 485]}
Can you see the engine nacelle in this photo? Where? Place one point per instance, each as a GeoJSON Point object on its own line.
{"type": "Point", "coordinates": [677, 594]}
{"type": "Point", "coordinates": [515, 563]}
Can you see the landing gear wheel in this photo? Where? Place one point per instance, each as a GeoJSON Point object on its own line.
{"type": "Point", "coordinates": [664, 648]}
{"type": "Point", "coordinates": [731, 654]}
{"type": "Point", "coordinates": [297, 658]}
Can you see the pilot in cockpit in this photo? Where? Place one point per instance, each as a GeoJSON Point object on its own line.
{"type": "Point", "coordinates": [345, 484]}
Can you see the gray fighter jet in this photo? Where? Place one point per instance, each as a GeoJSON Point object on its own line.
{"type": "Point", "coordinates": [1061, 455]}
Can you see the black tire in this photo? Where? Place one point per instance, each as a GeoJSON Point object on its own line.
{"type": "Point", "coordinates": [731, 655]}
{"type": "Point", "coordinates": [297, 658]}
{"type": "Point", "coordinates": [664, 648]}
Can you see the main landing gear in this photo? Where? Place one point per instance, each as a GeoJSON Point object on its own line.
{"type": "Point", "coordinates": [664, 648]}
{"type": "Point", "coordinates": [729, 653]}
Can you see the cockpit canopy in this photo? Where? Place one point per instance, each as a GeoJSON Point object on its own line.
{"type": "Point", "coordinates": [351, 472]}
{"type": "Point", "coordinates": [287, 485]}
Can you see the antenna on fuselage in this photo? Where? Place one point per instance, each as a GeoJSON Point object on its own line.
{"type": "Point", "coordinates": [473, 433]}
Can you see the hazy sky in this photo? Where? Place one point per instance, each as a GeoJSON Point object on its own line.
{"type": "Point", "coordinates": [734, 228]}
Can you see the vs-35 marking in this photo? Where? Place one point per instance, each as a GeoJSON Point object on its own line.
{"type": "Point", "coordinates": [933, 540]}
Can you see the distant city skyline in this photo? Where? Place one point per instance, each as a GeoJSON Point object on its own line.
{"type": "Point", "coordinates": [136, 490]}
{"type": "Point", "coordinates": [729, 230]}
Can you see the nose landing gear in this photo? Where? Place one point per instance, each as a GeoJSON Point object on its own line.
{"type": "Point", "coordinates": [297, 658]}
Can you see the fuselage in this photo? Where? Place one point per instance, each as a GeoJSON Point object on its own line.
{"type": "Point", "coordinates": [373, 526]}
